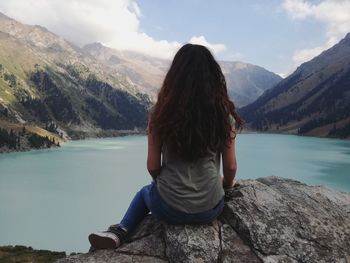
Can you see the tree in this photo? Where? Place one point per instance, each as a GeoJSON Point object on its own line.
{"type": "Point", "coordinates": [6, 112]}
{"type": "Point", "coordinates": [11, 79]}
{"type": "Point", "coordinates": [18, 141]}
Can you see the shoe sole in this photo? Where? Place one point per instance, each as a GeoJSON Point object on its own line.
{"type": "Point", "coordinates": [102, 241]}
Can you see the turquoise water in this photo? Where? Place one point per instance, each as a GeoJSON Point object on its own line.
{"type": "Point", "coordinates": [52, 199]}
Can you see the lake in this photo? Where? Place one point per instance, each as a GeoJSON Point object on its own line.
{"type": "Point", "coordinates": [52, 199]}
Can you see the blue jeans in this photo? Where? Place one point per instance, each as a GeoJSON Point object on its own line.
{"type": "Point", "coordinates": [148, 200]}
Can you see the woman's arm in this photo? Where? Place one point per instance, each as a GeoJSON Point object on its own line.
{"type": "Point", "coordinates": [154, 155]}
{"type": "Point", "coordinates": [229, 162]}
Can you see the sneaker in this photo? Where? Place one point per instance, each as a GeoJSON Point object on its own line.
{"type": "Point", "coordinates": [112, 238]}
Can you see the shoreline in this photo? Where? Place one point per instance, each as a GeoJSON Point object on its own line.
{"type": "Point", "coordinates": [122, 133]}
{"type": "Point", "coordinates": [100, 135]}
{"type": "Point", "coordinates": [294, 134]}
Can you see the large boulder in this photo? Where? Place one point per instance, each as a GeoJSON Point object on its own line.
{"type": "Point", "coordinates": [269, 219]}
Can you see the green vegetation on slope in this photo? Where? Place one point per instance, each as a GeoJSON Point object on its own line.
{"type": "Point", "coordinates": [314, 100]}
{"type": "Point", "coordinates": [16, 137]}
{"type": "Point", "coordinates": [15, 254]}
{"type": "Point", "coordinates": [46, 80]}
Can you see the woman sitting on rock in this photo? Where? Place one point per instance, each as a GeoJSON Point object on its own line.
{"type": "Point", "coordinates": [192, 125]}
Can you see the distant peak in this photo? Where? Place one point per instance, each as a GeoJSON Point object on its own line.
{"type": "Point", "coordinates": [42, 28]}
{"type": "Point", "coordinates": [2, 15]}
{"type": "Point", "coordinates": [94, 44]}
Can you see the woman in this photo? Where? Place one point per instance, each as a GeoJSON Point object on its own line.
{"type": "Point", "coordinates": [191, 126]}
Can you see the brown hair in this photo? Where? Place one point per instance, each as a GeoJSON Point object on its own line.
{"type": "Point", "coordinates": [192, 111]}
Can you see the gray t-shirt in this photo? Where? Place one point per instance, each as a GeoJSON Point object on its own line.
{"type": "Point", "coordinates": [191, 187]}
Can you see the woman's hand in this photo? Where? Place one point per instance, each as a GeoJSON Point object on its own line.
{"type": "Point", "coordinates": [229, 163]}
{"type": "Point", "coordinates": [229, 185]}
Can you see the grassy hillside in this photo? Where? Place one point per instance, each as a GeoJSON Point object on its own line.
{"type": "Point", "coordinates": [48, 83]}
{"type": "Point", "coordinates": [314, 100]}
{"type": "Point", "coordinates": [16, 254]}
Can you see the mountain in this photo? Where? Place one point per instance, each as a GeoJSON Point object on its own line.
{"type": "Point", "coordinates": [51, 83]}
{"type": "Point", "coordinates": [48, 83]}
{"type": "Point", "coordinates": [145, 72]}
{"type": "Point", "coordinates": [245, 82]}
{"type": "Point", "coordinates": [314, 100]}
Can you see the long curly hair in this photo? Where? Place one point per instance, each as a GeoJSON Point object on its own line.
{"type": "Point", "coordinates": [192, 111]}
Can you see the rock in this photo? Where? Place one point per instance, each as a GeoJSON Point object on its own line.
{"type": "Point", "coordinates": [193, 243]}
{"type": "Point", "coordinates": [268, 220]}
{"type": "Point", "coordinates": [110, 256]}
{"type": "Point", "coordinates": [233, 249]}
{"type": "Point", "coordinates": [287, 221]}
{"type": "Point", "coordinates": [151, 245]}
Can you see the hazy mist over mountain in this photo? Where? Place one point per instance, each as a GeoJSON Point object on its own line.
{"type": "Point", "coordinates": [245, 82]}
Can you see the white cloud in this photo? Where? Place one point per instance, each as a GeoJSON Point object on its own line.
{"type": "Point", "coordinates": [282, 74]}
{"type": "Point", "coordinates": [307, 54]}
{"type": "Point", "coordinates": [335, 14]}
{"type": "Point", "coordinates": [216, 48]}
{"type": "Point", "coordinates": [231, 56]}
{"type": "Point", "coordinates": [115, 23]}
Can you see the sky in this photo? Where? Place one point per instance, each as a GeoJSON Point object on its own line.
{"type": "Point", "coordinates": [278, 35]}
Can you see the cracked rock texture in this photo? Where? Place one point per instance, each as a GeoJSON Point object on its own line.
{"type": "Point", "coordinates": [269, 219]}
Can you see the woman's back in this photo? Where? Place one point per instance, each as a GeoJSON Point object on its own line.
{"type": "Point", "coordinates": [190, 187]}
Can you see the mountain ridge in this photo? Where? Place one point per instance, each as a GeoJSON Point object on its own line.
{"type": "Point", "coordinates": [313, 100]}
{"type": "Point", "coordinates": [245, 81]}
{"type": "Point", "coordinates": [46, 79]}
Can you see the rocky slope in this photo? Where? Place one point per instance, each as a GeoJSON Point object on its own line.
{"type": "Point", "coordinates": [314, 100]}
{"type": "Point", "coordinates": [45, 79]}
{"type": "Point", "coordinates": [145, 72]}
{"type": "Point", "coordinates": [245, 82]}
{"type": "Point", "coordinates": [269, 219]}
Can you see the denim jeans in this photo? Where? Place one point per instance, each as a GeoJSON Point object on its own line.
{"type": "Point", "coordinates": [148, 200]}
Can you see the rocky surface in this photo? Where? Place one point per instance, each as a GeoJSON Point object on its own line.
{"type": "Point", "coordinates": [269, 219]}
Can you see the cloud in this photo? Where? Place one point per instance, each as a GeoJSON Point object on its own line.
{"type": "Point", "coordinates": [307, 54]}
{"type": "Point", "coordinates": [283, 75]}
{"type": "Point", "coordinates": [334, 14]}
{"type": "Point", "coordinates": [231, 56]}
{"type": "Point", "coordinates": [115, 23]}
{"type": "Point", "coordinates": [216, 48]}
